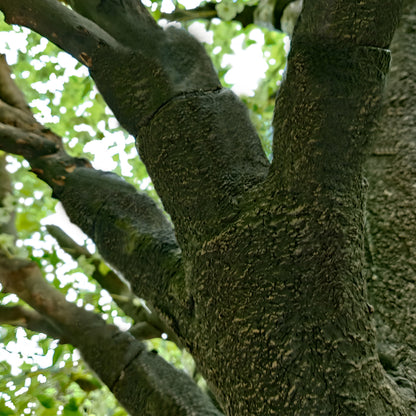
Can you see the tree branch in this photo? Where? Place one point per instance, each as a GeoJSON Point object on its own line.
{"type": "Point", "coordinates": [72, 32]}
{"type": "Point", "coordinates": [9, 91]}
{"type": "Point", "coordinates": [129, 230]}
{"type": "Point", "coordinates": [128, 22]}
{"type": "Point", "coordinates": [370, 23]}
{"type": "Point", "coordinates": [24, 143]}
{"type": "Point", "coordinates": [6, 226]}
{"type": "Point", "coordinates": [29, 319]}
{"type": "Point", "coordinates": [183, 61]}
{"type": "Point", "coordinates": [336, 71]}
{"type": "Point", "coordinates": [208, 11]}
{"type": "Point", "coordinates": [142, 381]}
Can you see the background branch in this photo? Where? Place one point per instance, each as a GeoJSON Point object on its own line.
{"type": "Point", "coordinates": [208, 11]}
{"type": "Point", "coordinates": [9, 91]}
{"type": "Point", "coordinates": [7, 225]}
{"type": "Point", "coordinates": [30, 319]}
{"type": "Point", "coordinates": [72, 32]}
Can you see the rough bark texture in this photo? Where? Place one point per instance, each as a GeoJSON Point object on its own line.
{"type": "Point", "coordinates": [391, 214]}
{"type": "Point", "coordinates": [263, 277]}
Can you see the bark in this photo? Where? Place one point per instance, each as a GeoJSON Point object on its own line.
{"type": "Point", "coordinates": [30, 319]}
{"type": "Point", "coordinates": [264, 277]}
{"type": "Point", "coordinates": [7, 224]}
{"type": "Point", "coordinates": [391, 219]}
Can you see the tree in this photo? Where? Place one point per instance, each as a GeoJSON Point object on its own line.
{"type": "Point", "coordinates": [291, 283]}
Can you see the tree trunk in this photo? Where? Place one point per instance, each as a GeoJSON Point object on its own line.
{"type": "Point", "coordinates": [264, 277]}
{"type": "Point", "coordinates": [391, 215]}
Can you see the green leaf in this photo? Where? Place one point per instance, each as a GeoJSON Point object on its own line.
{"type": "Point", "coordinates": [46, 401]}
{"type": "Point", "coordinates": [57, 354]}
{"type": "Point", "coordinates": [47, 412]}
{"type": "Point", "coordinates": [103, 268]}
{"type": "Point", "coordinates": [71, 409]}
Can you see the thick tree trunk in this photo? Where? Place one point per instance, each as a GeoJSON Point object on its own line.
{"type": "Point", "coordinates": [264, 279]}
{"type": "Point", "coordinates": [391, 214]}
